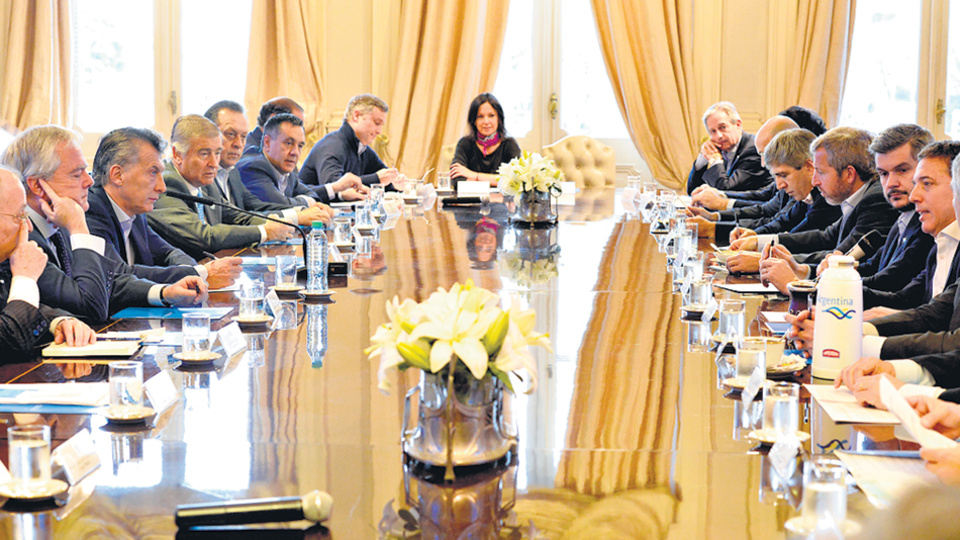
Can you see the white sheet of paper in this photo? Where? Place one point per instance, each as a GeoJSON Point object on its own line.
{"type": "Point", "coordinates": [473, 188]}
{"type": "Point", "coordinates": [774, 316]}
{"type": "Point", "coordinates": [750, 288]}
{"type": "Point", "coordinates": [842, 407]}
{"type": "Point", "coordinates": [909, 419]}
{"type": "Point", "coordinates": [161, 391]}
{"type": "Point", "coordinates": [883, 479]}
{"type": "Point", "coordinates": [229, 288]}
{"type": "Point", "coordinates": [85, 394]}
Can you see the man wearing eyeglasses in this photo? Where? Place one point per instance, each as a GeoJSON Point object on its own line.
{"type": "Point", "coordinates": [24, 321]}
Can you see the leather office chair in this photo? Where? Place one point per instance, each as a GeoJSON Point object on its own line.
{"type": "Point", "coordinates": [584, 160]}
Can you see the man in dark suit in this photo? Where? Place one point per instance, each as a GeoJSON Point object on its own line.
{"type": "Point", "coordinates": [902, 256]}
{"type": "Point", "coordinates": [78, 277]}
{"type": "Point", "coordinates": [272, 177]}
{"type": "Point", "coordinates": [347, 152]}
{"type": "Point", "coordinates": [230, 120]}
{"type": "Point", "coordinates": [24, 322]}
{"type": "Point", "coordinates": [277, 105]}
{"type": "Point", "coordinates": [128, 172]}
{"type": "Point", "coordinates": [198, 228]}
{"type": "Point", "coordinates": [845, 174]}
{"type": "Point", "coordinates": [728, 159]}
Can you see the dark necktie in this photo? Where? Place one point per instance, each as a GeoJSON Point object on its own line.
{"type": "Point", "coordinates": [62, 252]}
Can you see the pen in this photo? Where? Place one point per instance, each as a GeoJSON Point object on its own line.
{"type": "Point", "coordinates": [208, 254]}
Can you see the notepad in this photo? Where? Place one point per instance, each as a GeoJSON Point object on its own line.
{"type": "Point", "coordinates": [121, 349]}
{"type": "Point", "coordinates": [843, 408]}
{"type": "Point", "coordinates": [295, 241]}
{"type": "Point", "coordinates": [749, 288]}
{"type": "Point", "coordinates": [216, 313]}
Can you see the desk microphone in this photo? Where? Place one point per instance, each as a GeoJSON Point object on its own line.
{"type": "Point", "coordinates": [314, 506]}
{"type": "Point", "coordinates": [869, 244]}
{"type": "Point", "coordinates": [210, 202]}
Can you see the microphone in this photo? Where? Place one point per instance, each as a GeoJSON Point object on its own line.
{"type": "Point", "coordinates": [869, 244]}
{"type": "Point", "coordinates": [314, 506]}
{"type": "Point", "coordinates": [210, 202]}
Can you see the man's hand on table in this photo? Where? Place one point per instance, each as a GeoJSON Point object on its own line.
{"type": "Point", "coordinates": [73, 332]}
{"type": "Point", "coordinates": [317, 212]}
{"type": "Point", "coordinates": [801, 329]}
{"type": "Point", "coordinates": [938, 415]}
{"type": "Point", "coordinates": [696, 211]}
{"type": "Point", "coordinates": [705, 228]}
{"type": "Point", "coordinates": [776, 272]}
{"type": "Point", "coordinates": [741, 232]}
{"type": "Point", "coordinates": [709, 197]}
{"type": "Point", "coordinates": [278, 231]}
{"type": "Point", "coordinates": [746, 243]}
{"type": "Point", "coordinates": [744, 262]}
{"type": "Point", "coordinates": [877, 312]}
{"type": "Point", "coordinates": [223, 272]}
{"type": "Point", "coordinates": [186, 292]}
{"type": "Point", "coordinates": [863, 379]}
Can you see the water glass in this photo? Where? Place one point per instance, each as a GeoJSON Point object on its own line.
{"type": "Point", "coordinates": [824, 493]}
{"type": "Point", "coordinates": [443, 182]}
{"type": "Point", "coordinates": [697, 299]}
{"type": "Point", "coordinates": [731, 323]}
{"type": "Point", "coordinates": [781, 407]}
{"type": "Point", "coordinates": [285, 272]}
{"type": "Point", "coordinates": [126, 384]}
{"type": "Point", "coordinates": [196, 331]}
{"type": "Point", "coordinates": [751, 354]}
{"type": "Point", "coordinates": [341, 231]}
{"type": "Point", "coordinates": [251, 298]}
{"type": "Point", "coordinates": [29, 455]}
{"type": "Point", "coordinates": [364, 215]}
{"type": "Point", "coordinates": [698, 336]}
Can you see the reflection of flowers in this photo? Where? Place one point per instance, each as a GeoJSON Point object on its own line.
{"type": "Point", "coordinates": [528, 272]}
{"type": "Point", "coordinates": [465, 323]}
{"type": "Point", "coordinates": [529, 172]}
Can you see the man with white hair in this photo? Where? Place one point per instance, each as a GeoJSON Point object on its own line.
{"type": "Point", "coordinates": [729, 158]}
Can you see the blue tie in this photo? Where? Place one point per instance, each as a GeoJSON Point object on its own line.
{"type": "Point", "coordinates": [200, 213]}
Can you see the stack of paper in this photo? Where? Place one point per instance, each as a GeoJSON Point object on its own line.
{"type": "Point", "coordinates": [121, 349]}
{"type": "Point", "coordinates": [843, 408]}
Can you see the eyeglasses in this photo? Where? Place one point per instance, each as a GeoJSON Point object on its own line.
{"type": "Point", "coordinates": [17, 218]}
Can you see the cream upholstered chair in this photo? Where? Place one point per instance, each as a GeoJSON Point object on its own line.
{"type": "Point", "coordinates": [584, 160]}
{"type": "Point", "coordinates": [446, 157]}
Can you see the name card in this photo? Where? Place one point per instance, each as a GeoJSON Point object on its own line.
{"type": "Point", "coordinates": [231, 338]}
{"type": "Point", "coordinates": [75, 458]}
{"type": "Point", "coordinates": [274, 302]}
{"type": "Point", "coordinates": [753, 386]}
{"type": "Point", "coordinates": [161, 392]}
{"type": "Point", "coordinates": [783, 453]}
{"type": "Point", "coordinates": [470, 187]}
{"type": "Point", "coordinates": [392, 207]}
{"type": "Point", "coordinates": [4, 474]}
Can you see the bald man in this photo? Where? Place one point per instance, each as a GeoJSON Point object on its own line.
{"type": "Point", "coordinates": [24, 322]}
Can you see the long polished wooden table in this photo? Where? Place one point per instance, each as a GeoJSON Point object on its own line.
{"type": "Point", "coordinates": [627, 435]}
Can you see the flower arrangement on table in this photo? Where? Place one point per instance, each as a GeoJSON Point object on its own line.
{"type": "Point", "coordinates": [527, 272]}
{"type": "Point", "coordinates": [465, 325]}
{"type": "Point", "coordinates": [528, 173]}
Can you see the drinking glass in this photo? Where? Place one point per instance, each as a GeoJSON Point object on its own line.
{"type": "Point", "coordinates": [781, 407]}
{"type": "Point", "coordinates": [251, 298]}
{"type": "Point", "coordinates": [698, 336]}
{"type": "Point", "coordinates": [29, 455]}
{"type": "Point", "coordinates": [286, 272]}
{"type": "Point", "coordinates": [750, 354]}
{"type": "Point", "coordinates": [126, 384]}
{"type": "Point", "coordinates": [443, 182]}
{"type": "Point", "coordinates": [697, 299]}
{"type": "Point", "coordinates": [196, 332]}
{"type": "Point", "coordinates": [364, 215]}
{"type": "Point", "coordinates": [824, 493]}
{"type": "Point", "coordinates": [341, 231]}
{"type": "Point", "coordinates": [731, 323]}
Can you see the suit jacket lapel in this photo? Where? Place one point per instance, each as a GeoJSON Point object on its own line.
{"type": "Point", "coordinates": [139, 243]}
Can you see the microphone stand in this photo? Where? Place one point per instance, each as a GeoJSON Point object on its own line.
{"type": "Point", "coordinates": [186, 197]}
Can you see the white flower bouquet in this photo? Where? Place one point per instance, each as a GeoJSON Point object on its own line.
{"type": "Point", "coordinates": [527, 272]}
{"type": "Point", "coordinates": [466, 324]}
{"type": "Point", "coordinates": [528, 173]}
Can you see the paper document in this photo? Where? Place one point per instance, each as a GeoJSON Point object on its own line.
{"type": "Point", "coordinates": [775, 316]}
{"type": "Point", "coordinates": [843, 408]}
{"type": "Point", "coordinates": [122, 349]}
{"type": "Point", "coordinates": [882, 478]}
{"type": "Point", "coordinates": [909, 419]}
{"type": "Point", "coordinates": [470, 187]}
{"type": "Point", "coordinates": [88, 394]}
{"type": "Point", "coordinates": [229, 288]}
{"type": "Point", "coordinates": [750, 288]}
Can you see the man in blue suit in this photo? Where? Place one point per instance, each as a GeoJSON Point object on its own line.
{"type": "Point", "coordinates": [127, 172]}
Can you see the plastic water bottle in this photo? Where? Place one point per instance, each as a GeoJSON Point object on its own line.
{"type": "Point", "coordinates": [317, 262]}
{"type": "Point", "coordinates": [838, 328]}
{"type": "Point", "coordinates": [316, 333]}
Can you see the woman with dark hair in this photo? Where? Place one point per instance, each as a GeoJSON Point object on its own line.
{"type": "Point", "coordinates": [480, 154]}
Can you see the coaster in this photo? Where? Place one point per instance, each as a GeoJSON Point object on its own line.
{"type": "Point", "coordinates": [788, 366]}
{"type": "Point", "coordinates": [317, 295]}
{"type": "Point", "coordinates": [767, 437]}
{"type": "Point", "coordinates": [250, 321]}
{"type": "Point", "coordinates": [288, 292]}
{"type": "Point", "coordinates": [197, 357]}
{"type": "Point", "coordinates": [117, 414]}
{"type": "Point", "coordinates": [798, 526]}
{"type": "Point", "coordinates": [50, 489]}
{"type": "Point", "coordinates": [736, 383]}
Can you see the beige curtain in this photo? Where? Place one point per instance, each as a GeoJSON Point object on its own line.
{"type": "Point", "coordinates": [824, 30]}
{"type": "Point", "coordinates": [439, 69]}
{"type": "Point", "coordinates": [646, 47]}
{"type": "Point", "coordinates": [35, 85]}
{"type": "Point", "coordinates": [286, 49]}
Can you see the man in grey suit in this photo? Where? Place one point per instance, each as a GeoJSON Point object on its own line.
{"type": "Point", "coordinates": [127, 171]}
{"type": "Point", "coordinates": [229, 118]}
{"type": "Point", "coordinates": [272, 175]}
{"type": "Point", "coordinates": [78, 277]}
{"type": "Point", "coordinates": [197, 228]}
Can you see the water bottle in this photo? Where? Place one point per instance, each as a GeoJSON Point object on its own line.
{"type": "Point", "coordinates": [317, 258]}
{"type": "Point", "coordinates": [838, 328]}
{"type": "Point", "coordinates": [316, 333]}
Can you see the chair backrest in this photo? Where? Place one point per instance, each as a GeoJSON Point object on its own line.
{"type": "Point", "coordinates": [446, 157]}
{"type": "Point", "coordinates": [584, 160]}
